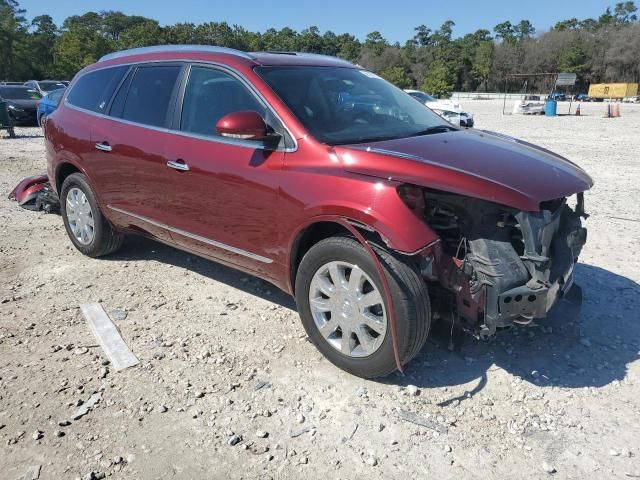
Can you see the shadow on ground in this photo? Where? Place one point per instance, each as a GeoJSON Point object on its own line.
{"type": "Point", "coordinates": [140, 248]}
{"type": "Point", "coordinates": [592, 351]}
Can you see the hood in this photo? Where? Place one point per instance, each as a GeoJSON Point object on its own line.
{"type": "Point", "coordinates": [24, 104]}
{"type": "Point", "coordinates": [478, 164]}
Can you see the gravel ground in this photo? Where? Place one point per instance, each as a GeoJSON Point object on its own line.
{"type": "Point", "coordinates": [228, 386]}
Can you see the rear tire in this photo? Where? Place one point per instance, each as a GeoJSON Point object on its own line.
{"type": "Point", "coordinates": [410, 300]}
{"type": "Point", "coordinates": [87, 228]}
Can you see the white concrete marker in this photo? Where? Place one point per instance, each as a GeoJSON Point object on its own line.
{"type": "Point", "coordinates": [108, 336]}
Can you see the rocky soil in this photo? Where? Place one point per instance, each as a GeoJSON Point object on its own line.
{"type": "Point", "coordinates": [228, 386]}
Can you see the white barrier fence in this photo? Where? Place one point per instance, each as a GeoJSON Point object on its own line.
{"type": "Point", "coordinates": [493, 96]}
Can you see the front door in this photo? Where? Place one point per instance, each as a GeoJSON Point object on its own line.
{"type": "Point", "coordinates": [222, 195]}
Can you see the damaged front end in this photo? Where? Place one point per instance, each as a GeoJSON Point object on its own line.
{"type": "Point", "coordinates": [496, 265]}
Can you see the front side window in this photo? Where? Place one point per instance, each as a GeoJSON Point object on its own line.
{"type": "Point", "coordinates": [93, 90]}
{"type": "Point", "coordinates": [149, 93]}
{"type": "Point", "coordinates": [340, 105]}
{"type": "Point", "coordinates": [210, 95]}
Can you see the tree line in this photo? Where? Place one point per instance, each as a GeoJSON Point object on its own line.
{"type": "Point", "coordinates": [605, 49]}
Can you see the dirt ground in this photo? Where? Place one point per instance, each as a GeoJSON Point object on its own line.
{"type": "Point", "coordinates": [223, 356]}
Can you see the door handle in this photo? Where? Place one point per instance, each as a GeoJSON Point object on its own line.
{"type": "Point", "coordinates": [105, 147]}
{"type": "Point", "coordinates": [178, 165]}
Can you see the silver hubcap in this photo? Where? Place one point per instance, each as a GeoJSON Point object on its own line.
{"type": "Point", "coordinates": [348, 309]}
{"type": "Point", "coordinates": [80, 216]}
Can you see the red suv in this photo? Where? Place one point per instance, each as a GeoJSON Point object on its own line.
{"type": "Point", "coordinates": [325, 180]}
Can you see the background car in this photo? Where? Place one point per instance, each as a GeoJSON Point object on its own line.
{"type": "Point", "coordinates": [558, 97]}
{"type": "Point", "coordinates": [582, 97]}
{"type": "Point", "coordinates": [447, 109]}
{"type": "Point", "coordinates": [635, 99]}
{"type": "Point", "coordinates": [45, 86]}
{"type": "Point", "coordinates": [21, 103]}
{"type": "Point", "coordinates": [48, 104]}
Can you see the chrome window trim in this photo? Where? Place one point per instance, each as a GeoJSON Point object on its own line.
{"type": "Point", "coordinates": [252, 144]}
{"type": "Point", "coordinates": [184, 233]}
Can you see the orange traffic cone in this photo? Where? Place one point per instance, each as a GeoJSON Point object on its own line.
{"type": "Point", "coordinates": [578, 111]}
{"type": "Point", "coordinates": [616, 109]}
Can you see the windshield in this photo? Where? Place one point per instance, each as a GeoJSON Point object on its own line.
{"type": "Point", "coordinates": [48, 86]}
{"type": "Point", "coordinates": [19, 93]}
{"type": "Point", "coordinates": [346, 105]}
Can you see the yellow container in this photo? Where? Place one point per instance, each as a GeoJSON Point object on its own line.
{"type": "Point", "coordinates": [613, 90]}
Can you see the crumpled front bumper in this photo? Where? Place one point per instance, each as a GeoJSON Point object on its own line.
{"type": "Point", "coordinates": [521, 286]}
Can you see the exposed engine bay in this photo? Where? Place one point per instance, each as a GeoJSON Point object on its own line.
{"type": "Point", "coordinates": [496, 265]}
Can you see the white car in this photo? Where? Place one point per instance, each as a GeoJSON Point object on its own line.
{"type": "Point", "coordinates": [447, 109]}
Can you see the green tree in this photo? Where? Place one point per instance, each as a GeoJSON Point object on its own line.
{"type": "Point", "coordinates": [376, 43]}
{"type": "Point", "coordinates": [81, 43]}
{"type": "Point", "coordinates": [571, 24]}
{"type": "Point", "coordinates": [398, 76]}
{"type": "Point", "coordinates": [505, 32]}
{"type": "Point", "coordinates": [483, 62]}
{"type": "Point", "coordinates": [574, 60]}
{"type": "Point", "coordinates": [348, 47]}
{"type": "Point", "coordinates": [438, 80]}
{"type": "Point", "coordinates": [40, 46]}
{"type": "Point", "coordinates": [422, 36]}
{"type": "Point", "coordinates": [625, 13]}
{"type": "Point", "coordinates": [524, 30]}
{"type": "Point", "coordinates": [13, 35]}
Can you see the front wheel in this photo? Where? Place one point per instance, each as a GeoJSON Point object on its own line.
{"type": "Point", "coordinates": [343, 308]}
{"type": "Point", "coordinates": [87, 228]}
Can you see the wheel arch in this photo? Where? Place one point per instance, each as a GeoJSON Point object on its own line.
{"type": "Point", "coordinates": [63, 171]}
{"type": "Point", "coordinates": [326, 226]}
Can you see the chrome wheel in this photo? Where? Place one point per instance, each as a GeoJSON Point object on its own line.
{"type": "Point", "coordinates": [80, 216]}
{"type": "Point", "coordinates": [347, 309]}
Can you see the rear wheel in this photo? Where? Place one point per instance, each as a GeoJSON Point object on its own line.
{"type": "Point", "coordinates": [87, 228]}
{"type": "Point", "coordinates": [343, 308]}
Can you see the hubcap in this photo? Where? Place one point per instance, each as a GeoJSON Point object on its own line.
{"type": "Point", "coordinates": [347, 309]}
{"type": "Point", "coordinates": [80, 216]}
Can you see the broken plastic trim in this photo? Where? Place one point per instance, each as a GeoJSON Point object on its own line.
{"type": "Point", "coordinates": [385, 285]}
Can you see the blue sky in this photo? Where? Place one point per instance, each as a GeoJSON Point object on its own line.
{"type": "Point", "coordinates": [394, 19]}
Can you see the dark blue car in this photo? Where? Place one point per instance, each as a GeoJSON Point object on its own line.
{"type": "Point", "coordinates": [48, 104]}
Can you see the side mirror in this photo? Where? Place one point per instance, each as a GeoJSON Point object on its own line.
{"type": "Point", "coordinates": [247, 125]}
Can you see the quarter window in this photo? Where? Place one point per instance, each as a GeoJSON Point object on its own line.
{"type": "Point", "coordinates": [149, 94]}
{"type": "Point", "coordinates": [210, 95]}
{"type": "Point", "coordinates": [93, 90]}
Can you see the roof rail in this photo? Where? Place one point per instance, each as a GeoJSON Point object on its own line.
{"type": "Point", "coordinates": [303, 55]}
{"type": "Point", "coordinates": [175, 48]}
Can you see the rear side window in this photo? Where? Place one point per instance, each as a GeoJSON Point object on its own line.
{"type": "Point", "coordinates": [93, 90]}
{"type": "Point", "coordinates": [209, 96]}
{"type": "Point", "coordinates": [148, 96]}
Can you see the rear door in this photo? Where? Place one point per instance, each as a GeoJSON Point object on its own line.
{"type": "Point", "coordinates": [130, 145]}
{"type": "Point", "coordinates": [224, 203]}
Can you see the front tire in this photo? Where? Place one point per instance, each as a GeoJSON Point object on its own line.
{"type": "Point", "coordinates": [87, 228]}
{"type": "Point", "coordinates": [343, 308]}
